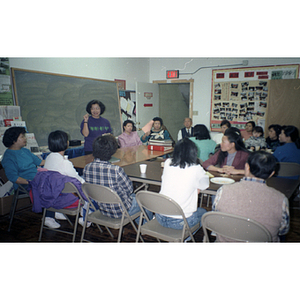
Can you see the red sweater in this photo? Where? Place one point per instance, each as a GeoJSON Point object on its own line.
{"type": "Point", "coordinates": [239, 160]}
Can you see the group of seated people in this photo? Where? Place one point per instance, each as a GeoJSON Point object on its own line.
{"type": "Point", "coordinates": [184, 174]}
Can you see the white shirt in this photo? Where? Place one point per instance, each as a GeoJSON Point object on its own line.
{"type": "Point", "coordinates": [181, 185]}
{"type": "Point", "coordinates": [179, 136]}
{"type": "Point", "coordinates": [56, 162]}
{"type": "Point", "coordinates": [218, 138]}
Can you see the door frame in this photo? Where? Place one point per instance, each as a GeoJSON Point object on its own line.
{"type": "Point", "coordinates": [190, 81]}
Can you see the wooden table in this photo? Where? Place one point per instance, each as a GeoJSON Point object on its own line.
{"type": "Point", "coordinates": [154, 173]}
{"type": "Point", "coordinates": [127, 156]}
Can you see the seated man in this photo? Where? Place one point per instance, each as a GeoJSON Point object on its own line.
{"type": "Point", "coordinates": [187, 131]}
{"type": "Point", "coordinates": [102, 172]}
{"type": "Point", "coordinates": [252, 198]}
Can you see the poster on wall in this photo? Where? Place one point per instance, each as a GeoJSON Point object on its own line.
{"type": "Point", "coordinates": [6, 97]}
{"type": "Point", "coordinates": [241, 95]}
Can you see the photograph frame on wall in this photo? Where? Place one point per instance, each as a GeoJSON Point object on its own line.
{"type": "Point", "coordinates": [241, 95]}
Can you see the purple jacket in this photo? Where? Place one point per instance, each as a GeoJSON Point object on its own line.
{"type": "Point", "coordinates": [46, 191]}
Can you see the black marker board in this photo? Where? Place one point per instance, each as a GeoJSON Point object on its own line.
{"type": "Point", "coordinates": [51, 102]}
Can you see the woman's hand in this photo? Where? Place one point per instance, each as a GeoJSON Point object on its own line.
{"type": "Point", "coordinates": [234, 171]}
{"type": "Point", "coordinates": [86, 117]}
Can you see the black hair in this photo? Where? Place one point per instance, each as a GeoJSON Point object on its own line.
{"type": "Point", "coordinates": [11, 135]}
{"type": "Point", "coordinates": [252, 123]}
{"type": "Point", "coordinates": [58, 141]}
{"type": "Point", "coordinates": [234, 136]}
{"type": "Point", "coordinates": [259, 129]}
{"type": "Point", "coordinates": [292, 132]}
{"type": "Point", "coordinates": [104, 147]}
{"type": "Point", "coordinates": [225, 122]}
{"type": "Point", "coordinates": [201, 132]}
{"type": "Point", "coordinates": [185, 153]}
{"type": "Point", "coordinates": [127, 122]}
{"type": "Point", "coordinates": [101, 105]}
{"type": "Point", "coordinates": [277, 129]}
{"type": "Point", "coordinates": [261, 164]}
{"type": "Point", "coordinates": [158, 119]}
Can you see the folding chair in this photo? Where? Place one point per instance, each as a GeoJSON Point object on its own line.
{"type": "Point", "coordinates": [16, 197]}
{"type": "Point", "coordinates": [69, 188]}
{"type": "Point", "coordinates": [103, 194]}
{"type": "Point", "coordinates": [162, 204]}
{"type": "Point", "coordinates": [234, 227]}
{"type": "Point", "coordinates": [287, 169]}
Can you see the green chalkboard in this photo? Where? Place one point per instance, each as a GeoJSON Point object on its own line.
{"type": "Point", "coordinates": [51, 102]}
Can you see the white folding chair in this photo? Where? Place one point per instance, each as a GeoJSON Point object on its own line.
{"type": "Point", "coordinates": [162, 204]}
{"type": "Point", "coordinates": [234, 227]}
{"type": "Point", "coordinates": [69, 188]}
{"type": "Point", "coordinates": [103, 194]}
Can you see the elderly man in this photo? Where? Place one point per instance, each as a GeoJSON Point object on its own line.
{"type": "Point", "coordinates": [252, 198]}
{"type": "Point", "coordinates": [187, 131]}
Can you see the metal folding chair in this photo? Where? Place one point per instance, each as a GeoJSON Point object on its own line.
{"type": "Point", "coordinates": [234, 227]}
{"type": "Point", "coordinates": [162, 204]}
{"type": "Point", "coordinates": [287, 169]}
{"type": "Point", "coordinates": [69, 188]}
{"type": "Point", "coordinates": [103, 194]}
{"type": "Point", "coordinates": [17, 196]}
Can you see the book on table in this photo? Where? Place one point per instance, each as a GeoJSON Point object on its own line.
{"type": "Point", "coordinates": [165, 143]}
{"type": "Point", "coordinates": [159, 148]}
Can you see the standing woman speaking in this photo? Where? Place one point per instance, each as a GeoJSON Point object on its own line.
{"type": "Point", "coordinates": [93, 125]}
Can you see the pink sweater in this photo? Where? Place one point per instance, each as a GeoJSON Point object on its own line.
{"type": "Point", "coordinates": [128, 140]}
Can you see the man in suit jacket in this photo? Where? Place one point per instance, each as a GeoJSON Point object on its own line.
{"type": "Point", "coordinates": [187, 131]}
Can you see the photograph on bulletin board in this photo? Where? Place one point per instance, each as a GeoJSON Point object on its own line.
{"type": "Point", "coordinates": [239, 102]}
{"type": "Point", "coordinates": [242, 95]}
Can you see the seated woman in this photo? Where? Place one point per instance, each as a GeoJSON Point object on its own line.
{"type": "Point", "coordinates": [204, 144]}
{"type": "Point", "coordinates": [290, 150]}
{"type": "Point", "coordinates": [273, 139]}
{"type": "Point", "coordinates": [256, 141]}
{"type": "Point", "coordinates": [21, 165]}
{"type": "Point", "coordinates": [232, 156]}
{"type": "Point", "coordinates": [218, 137]}
{"type": "Point", "coordinates": [129, 137]}
{"type": "Point", "coordinates": [248, 130]}
{"type": "Point", "coordinates": [157, 132]}
{"type": "Point", "coordinates": [182, 179]}
{"type": "Point", "coordinates": [58, 143]}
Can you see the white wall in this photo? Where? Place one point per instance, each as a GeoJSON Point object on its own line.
{"type": "Point", "coordinates": [146, 70]}
{"type": "Point", "coordinates": [203, 78]}
{"type": "Point", "coordinates": [129, 69]}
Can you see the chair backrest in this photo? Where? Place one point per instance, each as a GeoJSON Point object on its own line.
{"type": "Point", "coordinates": [158, 203]}
{"type": "Point", "coordinates": [287, 169]}
{"type": "Point", "coordinates": [71, 188]}
{"type": "Point", "coordinates": [101, 193]}
{"type": "Point", "coordinates": [235, 227]}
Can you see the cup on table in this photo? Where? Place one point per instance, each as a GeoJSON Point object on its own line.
{"type": "Point", "coordinates": [143, 168]}
{"type": "Point", "coordinates": [257, 148]}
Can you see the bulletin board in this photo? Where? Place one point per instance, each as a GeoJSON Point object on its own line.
{"type": "Point", "coordinates": [52, 102]}
{"type": "Point", "coordinates": [241, 95]}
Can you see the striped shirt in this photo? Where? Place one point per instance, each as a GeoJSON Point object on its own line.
{"type": "Point", "coordinates": [114, 177]}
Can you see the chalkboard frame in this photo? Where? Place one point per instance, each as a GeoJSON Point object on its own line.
{"type": "Point", "coordinates": [44, 97]}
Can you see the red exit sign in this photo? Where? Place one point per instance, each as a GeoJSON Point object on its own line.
{"type": "Point", "coordinates": [172, 74]}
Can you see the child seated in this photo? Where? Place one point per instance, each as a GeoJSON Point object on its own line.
{"type": "Point", "coordinates": [256, 141]}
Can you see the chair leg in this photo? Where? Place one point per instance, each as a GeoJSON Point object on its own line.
{"type": "Point", "coordinates": [13, 209]}
{"type": "Point", "coordinates": [75, 228]}
{"type": "Point", "coordinates": [42, 225]}
{"type": "Point", "coordinates": [109, 232]}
